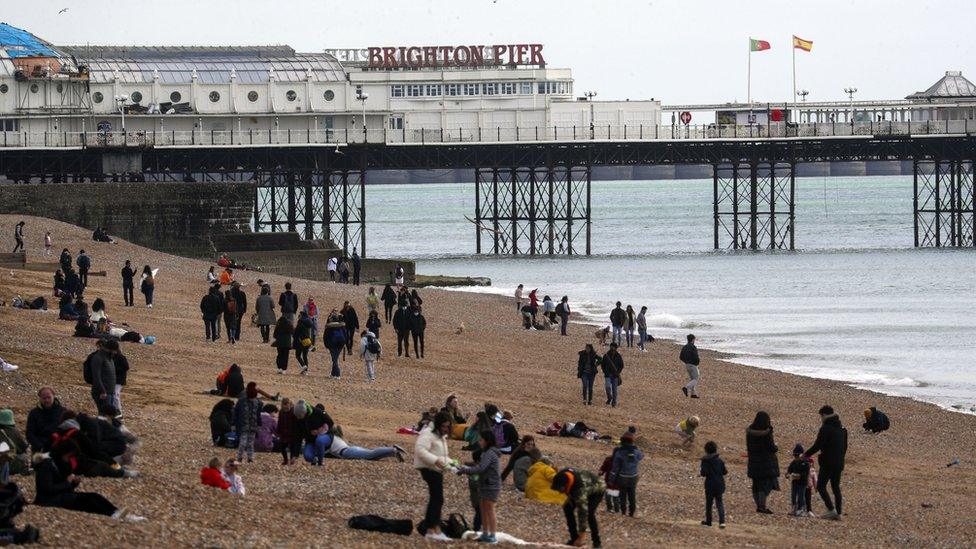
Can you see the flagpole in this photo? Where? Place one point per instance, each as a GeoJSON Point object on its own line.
{"type": "Point", "coordinates": [749, 76]}
{"type": "Point", "coordinates": [794, 74]}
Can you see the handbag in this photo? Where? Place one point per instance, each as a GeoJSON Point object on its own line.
{"type": "Point", "coordinates": [306, 342]}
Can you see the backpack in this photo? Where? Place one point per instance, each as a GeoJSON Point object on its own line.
{"type": "Point", "coordinates": [455, 526]}
{"type": "Point", "coordinates": [87, 370]}
{"type": "Point", "coordinates": [231, 307]}
{"type": "Point", "coordinates": [338, 337]}
{"type": "Point", "coordinates": [372, 346]}
{"type": "Point", "coordinates": [499, 429]}
{"type": "Point", "coordinates": [560, 309]}
{"type": "Point", "coordinates": [374, 523]}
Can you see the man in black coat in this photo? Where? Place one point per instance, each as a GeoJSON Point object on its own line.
{"type": "Point", "coordinates": [211, 306]}
{"type": "Point", "coordinates": [288, 303]}
{"type": "Point", "coordinates": [832, 444]}
{"type": "Point", "coordinates": [241, 298]}
{"type": "Point", "coordinates": [617, 318]}
{"type": "Point", "coordinates": [357, 266]}
{"type": "Point", "coordinates": [612, 366]}
{"type": "Point", "coordinates": [84, 264]}
{"type": "Point", "coordinates": [689, 356]}
{"type": "Point", "coordinates": [352, 324]}
{"type": "Point", "coordinates": [418, 324]}
{"type": "Point", "coordinates": [127, 284]}
{"type": "Point", "coordinates": [65, 260]}
{"type": "Point", "coordinates": [401, 325]}
{"type": "Point", "coordinates": [43, 420]}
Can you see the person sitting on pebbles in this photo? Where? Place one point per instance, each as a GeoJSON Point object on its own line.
{"type": "Point", "coordinates": [686, 429]}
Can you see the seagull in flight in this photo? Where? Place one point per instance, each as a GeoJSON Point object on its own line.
{"type": "Point", "coordinates": [62, 11]}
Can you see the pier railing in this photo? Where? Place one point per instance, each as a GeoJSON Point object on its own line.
{"type": "Point", "coordinates": [338, 137]}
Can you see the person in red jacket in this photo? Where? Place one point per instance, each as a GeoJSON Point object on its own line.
{"type": "Point", "coordinates": [212, 476]}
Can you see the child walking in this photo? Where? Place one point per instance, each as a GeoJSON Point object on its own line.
{"type": "Point", "coordinates": [624, 473]}
{"type": "Point", "coordinates": [489, 484]}
{"type": "Point", "coordinates": [799, 474]}
{"type": "Point", "coordinates": [247, 421]}
{"type": "Point", "coordinates": [613, 494]}
{"type": "Point", "coordinates": [713, 469]}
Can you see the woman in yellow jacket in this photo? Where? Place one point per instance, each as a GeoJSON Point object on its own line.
{"type": "Point", "coordinates": [539, 484]}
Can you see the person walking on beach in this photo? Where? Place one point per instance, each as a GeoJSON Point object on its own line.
{"type": "Point", "coordinates": [642, 330]}
{"type": "Point", "coordinates": [373, 323]}
{"type": "Point", "coordinates": [312, 311]}
{"type": "Point", "coordinates": [351, 318]}
{"type": "Point", "coordinates": [630, 324]}
{"type": "Point", "coordinates": [230, 316]}
{"type": "Point", "coordinates": [562, 310]}
{"type": "Point", "coordinates": [586, 370]}
{"type": "Point", "coordinates": [398, 275]}
{"type": "Point", "coordinates": [418, 325]}
{"type": "Point", "coordinates": [127, 283]}
{"type": "Point", "coordinates": [148, 285]}
{"type": "Point", "coordinates": [763, 466]}
{"type": "Point", "coordinates": [283, 332]}
{"type": "Point", "coordinates": [372, 301]}
{"type": "Point", "coordinates": [624, 471]}
{"type": "Point", "coordinates": [431, 458]}
{"type": "Point", "coordinates": [334, 339]}
{"type": "Point", "coordinates": [832, 444]}
{"type": "Point", "coordinates": [389, 298]}
{"type": "Point", "coordinates": [401, 325]}
{"type": "Point", "coordinates": [48, 244]}
{"type": "Point", "coordinates": [799, 474]}
{"type": "Point", "coordinates": [264, 306]}
{"type": "Point", "coordinates": [332, 266]}
{"type": "Point", "coordinates": [369, 350]}
{"type": "Point", "coordinates": [518, 297]}
{"type": "Point", "coordinates": [302, 341]}
{"type": "Point", "coordinates": [241, 298]}
{"type": "Point", "coordinates": [19, 237]}
{"type": "Point", "coordinates": [689, 356]}
{"type": "Point", "coordinates": [617, 319]}
{"type": "Point", "coordinates": [65, 260]}
{"type": "Point", "coordinates": [84, 264]}
{"type": "Point", "coordinates": [489, 484]}
{"type": "Point", "coordinates": [210, 307]}
{"type": "Point", "coordinates": [288, 303]}
{"type": "Point", "coordinates": [612, 365]}
{"type": "Point", "coordinates": [585, 491]}
{"type": "Point", "coordinates": [714, 471]}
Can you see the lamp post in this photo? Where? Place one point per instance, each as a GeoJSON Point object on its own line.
{"type": "Point", "coordinates": [122, 100]}
{"type": "Point", "coordinates": [589, 97]}
{"type": "Point", "coordinates": [363, 96]}
{"type": "Point", "coordinates": [850, 91]}
{"type": "Point", "coordinates": [803, 95]}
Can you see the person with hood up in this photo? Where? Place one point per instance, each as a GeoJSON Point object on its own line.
{"type": "Point", "coordinates": [264, 306]}
{"type": "Point", "coordinates": [43, 420]}
{"type": "Point", "coordinates": [763, 466]}
{"type": "Point", "coordinates": [832, 444]}
{"type": "Point", "coordinates": [247, 421]}
{"type": "Point", "coordinates": [585, 491]}
{"type": "Point", "coordinates": [624, 471]}
{"type": "Point", "coordinates": [389, 298]}
{"type": "Point", "coordinates": [221, 421]}
{"type": "Point", "coordinates": [369, 350]}
{"type": "Point", "coordinates": [713, 469]}
{"type": "Point", "coordinates": [283, 342]}
{"type": "Point", "coordinates": [586, 370]}
{"type": "Point", "coordinates": [418, 325]}
{"type": "Point", "coordinates": [265, 439]}
{"type": "Point", "coordinates": [312, 311]}
{"type": "Point", "coordinates": [289, 437]}
{"type": "Point", "coordinates": [489, 484]}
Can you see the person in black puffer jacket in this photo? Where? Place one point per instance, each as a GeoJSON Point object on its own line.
{"type": "Point", "coordinates": [586, 370]}
{"type": "Point", "coordinates": [763, 467]}
{"type": "Point", "coordinates": [418, 325]}
{"type": "Point", "coordinates": [220, 421]}
{"type": "Point", "coordinates": [832, 444]}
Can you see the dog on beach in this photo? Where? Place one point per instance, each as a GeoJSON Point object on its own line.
{"type": "Point", "coordinates": [460, 329]}
{"type": "Point", "coordinates": [602, 334]}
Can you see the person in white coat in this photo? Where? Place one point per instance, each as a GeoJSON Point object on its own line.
{"type": "Point", "coordinates": [370, 349]}
{"type": "Point", "coordinates": [431, 458]}
{"type": "Point", "coordinates": [333, 265]}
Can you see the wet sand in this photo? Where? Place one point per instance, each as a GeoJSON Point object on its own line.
{"type": "Point", "coordinates": [898, 491]}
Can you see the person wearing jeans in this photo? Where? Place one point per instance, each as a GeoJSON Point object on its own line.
{"type": "Point", "coordinates": [586, 371]}
{"type": "Point", "coordinates": [617, 319]}
{"type": "Point", "coordinates": [689, 356]}
{"type": "Point", "coordinates": [341, 449]}
{"type": "Point", "coordinates": [315, 453]}
{"type": "Point", "coordinates": [642, 329]}
{"type": "Point", "coordinates": [612, 365]}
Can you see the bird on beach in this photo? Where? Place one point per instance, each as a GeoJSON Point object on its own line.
{"type": "Point", "coordinates": [62, 11]}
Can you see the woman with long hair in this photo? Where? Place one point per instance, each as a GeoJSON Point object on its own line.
{"type": "Point", "coordinates": [283, 331]}
{"type": "Point", "coordinates": [763, 466]}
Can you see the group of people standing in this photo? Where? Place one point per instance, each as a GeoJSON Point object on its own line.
{"type": "Point", "coordinates": [339, 268]}
{"type": "Point", "coordinates": [552, 312]}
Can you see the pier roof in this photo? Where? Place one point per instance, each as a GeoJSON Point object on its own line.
{"type": "Point", "coordinates": [213, 65]}
{"type": "Point", "coordinates": [951, 86]}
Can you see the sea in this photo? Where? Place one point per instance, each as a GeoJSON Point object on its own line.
{"type": "Point", "coordinates": [855, 302]}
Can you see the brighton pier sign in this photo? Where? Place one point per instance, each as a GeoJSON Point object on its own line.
{"type": "Point", "coordinates": [400, 57]}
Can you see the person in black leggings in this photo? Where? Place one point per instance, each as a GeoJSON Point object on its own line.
{"type": "Point", "coordinates": [832, 444]}
{"type": "Point", "coordinates": [418, 324]}
{"type": "Point", "coordinates": [283, 342]}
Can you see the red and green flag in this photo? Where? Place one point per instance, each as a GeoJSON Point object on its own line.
{"type": "Point", "coordinates": [758, 45]}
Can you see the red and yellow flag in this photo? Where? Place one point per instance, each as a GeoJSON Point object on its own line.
{"type": "Point", "coordinates": [801, 44]}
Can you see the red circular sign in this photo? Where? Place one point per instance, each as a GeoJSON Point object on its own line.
{"type": "Point", "coordinates": [685, 117]}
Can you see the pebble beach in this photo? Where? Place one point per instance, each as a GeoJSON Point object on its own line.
{"type": "Point", "coordinates": [898, 490]}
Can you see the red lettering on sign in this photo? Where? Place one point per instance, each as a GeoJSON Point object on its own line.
{"type": "Point", "coordinates": [389, 57]}
{"type": "Point", "coordinates": [522, 50]}
{"type": "Point", "coordinates": [497, 52]}
{"type": "Point", "coordinates": [413, 58]}
{"type": "Point", "coordinates": [477, 56]}
{"type": "Point", "coordinates": [446, 54]}
{"type": "Point", "coordinates": [375, 57]}
{"type": "Point", "coordinates": [536, 55]}
{"type": "Point", "coordinates": [462, 56]}
{"type": "Point", "coordinates": [430, 56]}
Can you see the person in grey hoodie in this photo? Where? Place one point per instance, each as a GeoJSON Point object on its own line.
{"type": "Point", "coordinates": [103, 375]}
{"type": "Point", "coordinates": [488, 470]}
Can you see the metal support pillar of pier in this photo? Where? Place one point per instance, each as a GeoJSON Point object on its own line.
{"type": "Point", "coordinates": [533, 210]}
{"type": "Point", "coordinates": [754, 205]}
{"type": "Point", "coordinates": [944, 203]}
{"type": "Point", "coordinates": [317, 204]}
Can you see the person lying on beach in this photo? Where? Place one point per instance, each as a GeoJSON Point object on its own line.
{"type": "Point", "coordinates": [343, 450]}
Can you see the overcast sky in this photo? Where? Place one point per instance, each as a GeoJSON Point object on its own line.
{"type": "Point", "coordinates": [679, 51]}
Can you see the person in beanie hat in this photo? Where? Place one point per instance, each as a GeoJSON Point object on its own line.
{"type": "Point", "coordinates": [799, 473]}
{"type": "Point", "coordinates": [624, 471]}
{"type": "Point", "coordinates": [19, 464]}
{"type": "Point", "coordinates": [714, 471]}
{"type": "Point", "coordinates": [585, 490]}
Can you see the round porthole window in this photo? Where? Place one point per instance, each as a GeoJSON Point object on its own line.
{"type": "Point", "coordinates": [214, 97]}
{"type": "Point", "coordinates": [252, 96]}
{"type": "Point", "coordinates": [98, 97]}
{"type": "Point", "coordinates": [136, 97]}
{"type": "Point", "coordinates": [33, 88]}
{"type": "Point", "coordinates": [291, 95]}
{"type": "Point", "coordinates": [175, 97]}
{"type": "Point", "coordinates": [329, 95]}
{"type": "Point", "coordinates": [4, 88]}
